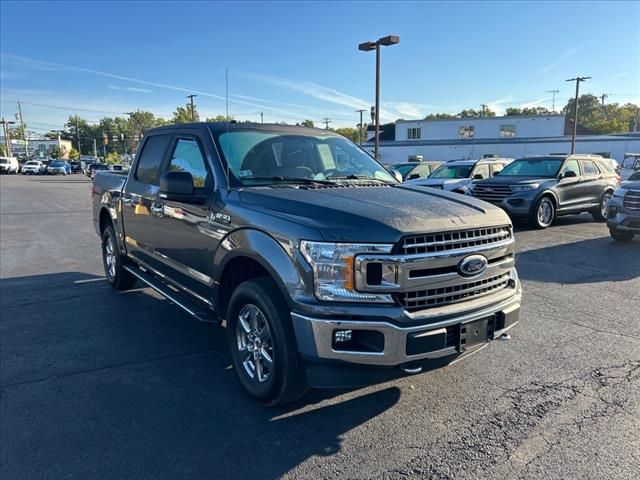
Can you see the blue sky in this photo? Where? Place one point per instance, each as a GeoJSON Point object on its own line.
{"type": "Point", "coordinates": [297, 60]}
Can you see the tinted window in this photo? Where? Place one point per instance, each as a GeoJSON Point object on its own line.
{"type": "Point", "coordinates": [188, 157]}
{"type": "Point", "coordinates": [589, 168]}
{"type": "Point", "coordinates": [635, 176]}
{"type": "Point", "coordinates": [571, 165]}
{"type": "Point", "coordinates": [482, 170]}
{"type": "Point", "coordinates": [150, 161]}
{"type": "Point", "coordinates": [452, 171]}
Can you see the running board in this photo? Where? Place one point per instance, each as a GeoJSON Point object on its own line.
{"type": "Point", "coordinates": [179, 299]}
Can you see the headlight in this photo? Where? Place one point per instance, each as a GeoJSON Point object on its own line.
{"type": "Point", "coordinates": [333, 270]}
{"type": "Point", "coordinates": [524, 188]}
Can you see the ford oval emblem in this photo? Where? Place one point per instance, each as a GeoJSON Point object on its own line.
{"type": "Point", "coordinates": [472, 265]}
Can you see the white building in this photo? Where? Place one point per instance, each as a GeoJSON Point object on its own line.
{"type": "Point", "coordinates": [39, 148]}
{"type": "Point", "coordinates": [511, 136]}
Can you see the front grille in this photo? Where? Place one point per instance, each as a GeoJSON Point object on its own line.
{"type": "Point", "coordinates": [632, 200]}
{"type": "Point", "coordinates": [491, 193]}
{"type": "Point", "coordinates": [442, 242]}
{"type": "Point", "coordinates": [434, 297]}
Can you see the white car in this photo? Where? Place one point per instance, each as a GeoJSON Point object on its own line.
{"type": "Point", "coordinates": [33, 167]}
{"type": "Point", "coordinates": [457, 175]}
{"type": "Point", "coordinates": [630, 165]}
{"type": "Point", "coordinates": [9, 165]}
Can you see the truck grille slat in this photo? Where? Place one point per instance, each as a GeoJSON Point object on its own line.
{"type": "Point", "coordinates": [442, 242]}
{"type": "Point", "coordinates": [421, 299]}
{"type": "Point", "coordinates": [632, 200]}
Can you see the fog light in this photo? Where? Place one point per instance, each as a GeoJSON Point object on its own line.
{"type": "Point", "coordinates": [612, 212]}
{"type": "Point", "coordinates": [341, 336]}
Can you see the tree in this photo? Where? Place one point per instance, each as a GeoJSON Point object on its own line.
{"type": "Point", "coordinates": [56, 152]}
{"type": "Point", "coordinates": [183, 114]}
{"type": "Point", "coordinates": [220, 118]}
{"type": "Point", "coordinates": [439, 116]}
{"type": "Point", "coordinates": [306, 123]}
{"type": "Point", "coordinates": [352, 134]}
{"type": "Point", "coordinates": [515, 111]}
{"type": "Point", "coordinates": [113, 157]}
{"type": "Point", "coordinates": [3, 151]}
{"type": "Point", "coordinates": [610, 118]}
{"type": "Point", "coordinates": [74, 154]}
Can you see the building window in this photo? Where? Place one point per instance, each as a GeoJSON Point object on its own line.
{"type": "Point", "coordinates": [508, 130]}
{"type": "Point", "coordinates": [414, 133]}
{"type": "Point", "coordinates": [466, 132]}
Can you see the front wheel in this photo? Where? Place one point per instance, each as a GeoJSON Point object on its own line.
{"type": "Point", "coordinates": [621, 236]}
{"type": "Point", "coordinates": [600, 213]}
{"type": "Point", "coordinates": [262, 343]}
{"type": "Point", "coordinates": [543, 214]}
{"type": "Point", "coordinates": [112, 261]}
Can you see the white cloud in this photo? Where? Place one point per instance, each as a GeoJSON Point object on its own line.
{"type": "Point", "coordinates": [567, 53]}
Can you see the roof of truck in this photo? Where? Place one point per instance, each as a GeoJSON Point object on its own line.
{"type": "Point", "coordinates": [221, 127]}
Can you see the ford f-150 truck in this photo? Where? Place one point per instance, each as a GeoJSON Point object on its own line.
{"type": "Point", "coordinates": [324, 269]}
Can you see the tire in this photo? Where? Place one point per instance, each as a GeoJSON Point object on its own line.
{"type": "Point", "coordinates": [112, 261]}
{"type": "Point", "coordinates": [621, 236]}
{"type": "Point", "coordinates": [543, 213]}
{"type": "Point", "coordinates": [599, 213]}
{"type": "Point", "coordinates": [262, 343]}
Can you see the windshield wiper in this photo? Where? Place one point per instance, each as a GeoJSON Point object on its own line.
{"type": "Point", "coordinates": [302, 180]}
{"type": "Point", "coordinates": [359, 177]}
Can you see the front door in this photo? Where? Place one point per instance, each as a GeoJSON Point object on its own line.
{"type": "Point", "coordinates": [569, 192]}
{"type": "Point", "coordinates": [185, 242]}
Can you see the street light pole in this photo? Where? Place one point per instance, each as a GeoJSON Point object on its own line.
{"type": "Point", "coordinates": [361, 126]}
{"type": "Point", "coordinates": [193, 111]}
{"type": "Point", "coordinates": [575, 113]}
{"type": "Point", "coordinates": [367, 47]}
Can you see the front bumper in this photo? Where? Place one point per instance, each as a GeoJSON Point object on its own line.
{"type": "Point", "coordinates": [622, 219]}
{"type": "Point", "coordinates": [393, 345]}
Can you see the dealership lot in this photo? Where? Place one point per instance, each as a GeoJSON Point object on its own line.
{"type": "Point", "coordinates": [97, 383]}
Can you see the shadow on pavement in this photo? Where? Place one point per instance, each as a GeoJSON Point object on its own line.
{"type": "Point", "coordinates": [102, 384]}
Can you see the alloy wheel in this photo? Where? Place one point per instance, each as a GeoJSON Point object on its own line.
{"type": "Point", "coordinates": [254, 344]}
{"type": "Point", "coordinates": [605, 204]}
{"type": "Point", "coordinates": [110, 257]}
{"type": "Point", "coordinates": [545, 213]}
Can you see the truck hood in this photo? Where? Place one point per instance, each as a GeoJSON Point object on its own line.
{"type": "Point", "coordinates": [374, 214]}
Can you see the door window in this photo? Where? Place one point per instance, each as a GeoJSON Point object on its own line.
{"type": "Point", "coordinates": [151, 157]}
{"type": "Point", "coordinates": [481, 170]}
{"type": "Point", "coordinates": [496, 168]}
{"type": "Point", "coordinates": [589, 168]}
{"type": "Point", "coordinates": [571, 165]}
{"type": "Point", "coordinates": [187, 157]}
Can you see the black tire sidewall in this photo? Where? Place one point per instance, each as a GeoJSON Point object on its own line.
{"type": "Point", "coordinates": [264, 294]}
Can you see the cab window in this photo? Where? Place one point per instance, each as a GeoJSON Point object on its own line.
{"type": "Point", "coordinates": [482, 170]}
{"type": "Point", "coordinates": [496, 168]}
{"type": "Point", "coordinates": [151, 158]}
{"type": "Point", "coordinates": [188, 157]}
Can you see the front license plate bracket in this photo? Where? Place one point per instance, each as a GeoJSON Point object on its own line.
{"type": "Point", "coordinates": [474, 334]}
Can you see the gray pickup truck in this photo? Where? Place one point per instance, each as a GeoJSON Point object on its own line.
{"type": "Point", "coordinates": [324, 269]}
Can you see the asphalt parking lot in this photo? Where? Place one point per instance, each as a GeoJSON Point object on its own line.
{"type": "Point", "coordinates": [101, 384]}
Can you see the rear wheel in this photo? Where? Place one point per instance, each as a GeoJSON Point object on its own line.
{"type": "Point", "coordinates": [262, 344]}
{"type": "Point", "coordinates": [543, 214]}
{"type": "Point", "coordinates": [621, 236]}
{"type": "Point", "coordinates": [112, 261]}
{"type": "Point", "coordinates": [600, 212]}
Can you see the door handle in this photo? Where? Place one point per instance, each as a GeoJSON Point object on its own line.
{"type": "Point", "coordinates": [157, 209]}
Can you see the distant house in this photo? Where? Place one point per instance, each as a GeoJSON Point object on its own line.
{"type": "Point", "coordinates": [509, 136]}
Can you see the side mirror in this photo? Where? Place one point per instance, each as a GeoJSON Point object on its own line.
{"type": "Point", "coordinates": [569, 174]}
{"type": "Point", "coordinates": [478, 176]}
{"type": "Point", "coordinates": [413, 176]}
{"type": "Point", "coordinates": [178, 187]}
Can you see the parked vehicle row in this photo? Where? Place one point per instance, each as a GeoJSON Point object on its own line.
{"type": "Point", "coordinates": [9, 165]}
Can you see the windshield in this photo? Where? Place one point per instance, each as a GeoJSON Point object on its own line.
{"type": "Point", "coordinates": [533, 167]}
{"type": "Point", "coordinates": [452, 171]}
{"type": "Point", "coordinates": [31, 164]}
{"type": "Point", "coordinates": [404, 169]}
{"type": "Point", "coordinates": [631, 162]}
{"type": "Point", "coordinates": [4, 161]}
{"type": "Point", "coordinates": [263, 158]}
{"type": "Point", "coordinates": [635, 176]}
{"type": "Point", "coordinates": [56, 164]}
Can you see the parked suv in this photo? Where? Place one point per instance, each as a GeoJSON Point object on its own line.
{"type": "Point", "coordinates": [457, 175]}
{"type": "Point", "coordinates": [326, 271]}
{"type": "Point", "coordinates": [9, 165]}
{"type": "Point", "coordinates": [540, 188]}
{"type": "Point", "coordinates": [33, 167]}
{"type": "Point", "coordinates": [623, 211]}
{"type": "Point", "coordinates": [415, 170]}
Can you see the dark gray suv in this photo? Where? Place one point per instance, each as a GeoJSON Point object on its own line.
{"type": "Point", "coordinates": [540, 188]}
{"type": "Point", "coordinates": [624, 210]}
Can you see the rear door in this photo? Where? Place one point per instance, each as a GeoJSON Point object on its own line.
{"type": "Point", "coordinates": [593, 182]}
{"type": "Point", "coordinates": [139, 199]}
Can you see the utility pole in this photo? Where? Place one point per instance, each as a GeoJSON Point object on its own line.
{"type": "Point", "coordinates": [78, 136]}
{"type": "Point", "coordinates": [261, 117]}
{"type": "Point", "coordinates": [193, 108]}
{"type": "Point", "coordinates": [575, 113]}
{"type": "Point", "coordinates": [7, 138]}
{"type": "Point", "coordinates": [484, 109]}
{"type": "Point", "coordinates": [24, 133]}
{"type": "Point", "coordinates": [95, 148]}
{"type": "Point", "coordinates": [553, 101]}
{"type": "Point", "coordinates": [361, 126]}
{"type": "Point", "coordinates": [602, 98]}
{"type": "Point", "coordinates": [326, 121]}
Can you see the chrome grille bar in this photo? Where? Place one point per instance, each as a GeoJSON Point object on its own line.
{"type": "Point", "coordinates": [632, 200]}
{"type": "Point", "coordinates": [442, 242]}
